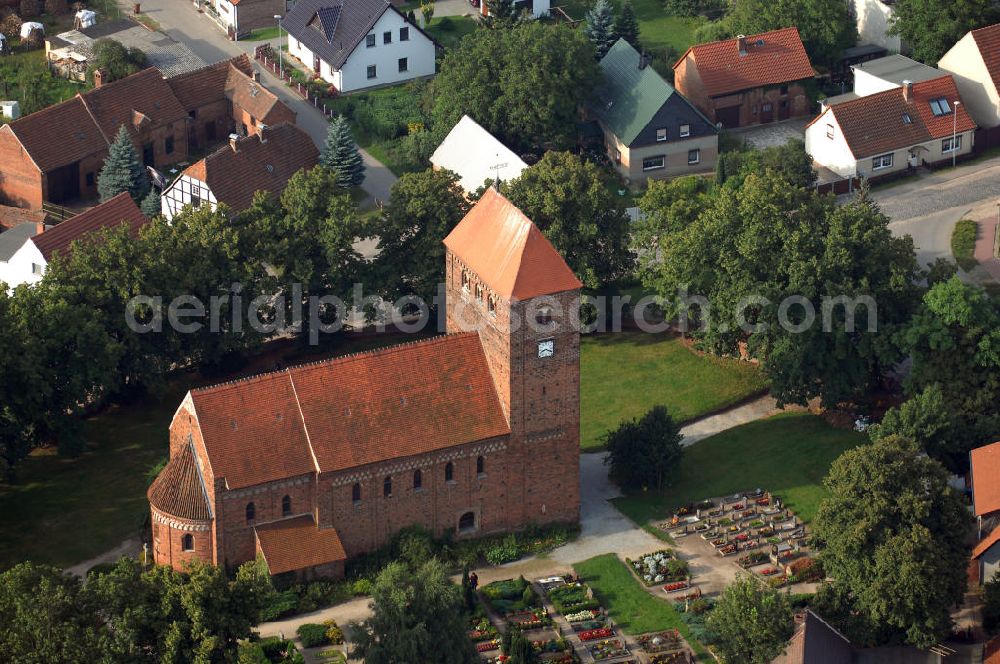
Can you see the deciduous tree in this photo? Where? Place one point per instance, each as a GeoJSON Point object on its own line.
{"type": "Point", "coordinates": [752, 622]}
{"type": "Point", "coordinates": [116, 60]}
{"type": "Point", "coordinates": [645, 453]}
{"type": "Point", "coordinates": [930, 28]}
{"type": "Point", "coordinates": [894, 537]}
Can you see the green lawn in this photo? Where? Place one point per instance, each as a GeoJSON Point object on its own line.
{"type": "Point", "coordinates": [788, 454]}
{"type": "Point", "coordinates": [657, 29]}
{"type": "Point", "coordinates": [623, 375]}
{"type": "Point", "coordinates": [265, 34]}
{"type": "Point", "coordinates": [64, 511]}
{"type": "Point", "coordinates": [629, 604]}
{"type": "Point", "coordinates": [45, 89]}
{"type": "Point", "coordinates": [449, 30]}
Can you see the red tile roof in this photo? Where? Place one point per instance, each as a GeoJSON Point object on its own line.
{"type": "Point", "coordinates": [986, 543]}
{"type": "Point", "coordinates": [501, 245]}
{"type": "Point", "coordinates": [119, 210]}
{"type": "Point", "coordinates": [293, 544]}
{"type": "Point", "coordinates": [875, 124]}
{"type": "Point", "coordinates": [771, 58]}
{"type": "Point", "coordinates": [991, 652]}
{"type": "Point", "coordinates": [15, 216]}
{"type": "Point", "coordinates": [254, 98]}
{"type": "Point", "coordinates": [58, 135]}
{"type": "Point", "coordinates": [985, 462]}
{"type": "Point", "coordinates": [258, 163]}
{"type": "Point", "coordinates": [178, 489]}
{"type": "Point", "coordinates": [144, 97]}
{"type": "Point", "coordinates": [988, 41]}
{"type": "Point", "coordinates": [204, 86]}
{"type": "Point", "coordinates": [344, 414]}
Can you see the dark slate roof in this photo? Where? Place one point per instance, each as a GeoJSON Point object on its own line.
{"type": "Point", "coordinates": [333, 28]}
{"type": "Point", "coordinates": [14, 239]}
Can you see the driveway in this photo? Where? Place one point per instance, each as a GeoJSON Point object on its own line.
{"type": "Point", "coordinates": [181, 21]}
{"type": "Point", "coordinates": [773, 133]}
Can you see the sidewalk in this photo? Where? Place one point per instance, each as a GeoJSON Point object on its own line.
{"type": "Point", "coordinates": [985, 244]}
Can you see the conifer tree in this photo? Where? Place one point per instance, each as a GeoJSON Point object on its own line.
{"type": "Point", "coordinates": [122, 171]}
{"type": "Point", "coordinates": [627, 26]}
{"type": "Point", "coordinates": [340, 154]}
{"type": "Point", "coordinates": [150, 205]}
{"type": "Point", "coordinates": [599, 28]}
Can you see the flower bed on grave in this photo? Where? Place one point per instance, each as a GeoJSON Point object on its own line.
{"type": "Point", "coordinates": [669, 658]}
{"type": "Point", "coordinates": [528, 619]}
{"type": "Point", "coordinates": [676, 586]}
{"type": "Point", "coordinates": [661, 641]}
{"type": "Point", "coordinates": [751, 559]}
{"type": "Point", "coordinates": [595, 634]}
{"type": "Point", "coordinates": [607, 649]}
{"type": "Point", "coordinates": [487, 646]}
{"type": "Point", "coordinates": [583, 616]}
{"type": "Point", "coordinates": [565, 657]}
{"type": "Point", "coordinates": [659, 566]}
{"type": "Point", "coordinates": [557, 646]}
{"type": "Point", "coordinates": [572, 598]}
{"type": "Point", "coordinates": [511, 596]}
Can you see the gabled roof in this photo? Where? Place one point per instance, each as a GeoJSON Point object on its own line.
{"type": "Point", "coordinates": [472, 153]}
{"type": "Point", "coordinates": [343, 413]}
{"type": "Point", "coordinates": [986, 543]}
{"type": "Point", "coordinates": [11, 241]}
{"type": "Point", "coordinates": [145, 94]}
{"type": "Point", "coordinates": [632, 93]}
{"type": "Point", "coordinates": [204, 86]}
{"type": "Point", "coordinates": [985, 465]}
{"type": "Point", "coordinates": [297, 543]}
{"type": "Point", "coordinates": [332, 29]}
{"type": "Point", "coordinates": [119, 210]}
{"type": "Point", "coordinates": [257, 163]}
{"type": "Point", "coordinates": [254, 98]}
{"type": "Point", "coordinates": [771, 58]}
{"type": "Point", "coordinates": [815, 642]}
{"type": "Point", "coordinates": [59, 135]}
{"type": "Point", "coordinates": [885, 121]}
{"type": "Point", "coordinates": [179, 489]}
{"type": "Point", "coordinates": [897, 68]}
{"type": "Point", "coordinates": [988, 42]}
{"type": "Point", "coordinates": [508, 251]}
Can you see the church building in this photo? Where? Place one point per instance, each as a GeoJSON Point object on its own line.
{"type": "Point", "coordinates": [475, 431]}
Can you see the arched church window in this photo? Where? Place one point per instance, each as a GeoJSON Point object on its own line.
{"type": "Point", "coordinates": [251, 512]}
{"type": "Point", "coordinates": [449, 472]}
{"type": "Point", "coordinates": [356, 493]}
{"type": "Point", "coordinates": [387, 487]}
{"type": "Point", "coordinates": [187, 542]}
{"type": "Point", "coordinates": [418, 479]}
{"type": "Point", "coordinates": [286, 506]}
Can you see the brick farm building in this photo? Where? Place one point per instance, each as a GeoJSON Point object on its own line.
{"type": "Point", "coordinates": [474, 432]}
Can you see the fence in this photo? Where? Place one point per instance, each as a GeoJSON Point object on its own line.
{"type": "Point", "coordinates": [282, 71]}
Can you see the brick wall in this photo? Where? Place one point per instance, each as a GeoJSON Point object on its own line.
{"type": "Point", "coordinates": [20, 180]}
{"type": "Point", "coordinates": [238, 544]}
{"type": "Point", "coordinates": [168, 540]}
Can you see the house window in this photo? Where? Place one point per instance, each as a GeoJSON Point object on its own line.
{"type": "Point", "coordinates": [653, 163]}
{"type": "Point", "coordinates": [251, 512]}
{"type": "Point", "coordinates": [882, 161]}
{"type": "Point", "coordinates": [661, 135]}
{"type": "Point", "coordinates": [765, 108]}
{"type": "Point", "coordinates": [37, 269]}
{"type": "Point", "coordinates": [193, 114]}
{"type": "Point", "coordinates": [418, 479]}
{"type": "Point", "coordinates": [286, 506]}
{"type": "Point", "coordinates": [195, 201]}
{"type": "Point", "coordinates": [371, 71]}
{"type": "Point", "coordinates": [940, 106]}
{"type": "Point", "coordinates": [951, 144]}
{"type": "Point", "coordinates": [387, 487]}
{"type": "Point", "coordinates": [403, 64]}
{"type": "Point", "coordinates": [685, 131]}
{"type": "Point", "coordinates": [480, 466]}
{"type": "Point", "coordinates": [784, 89]}
{"type": "Point", "coordinates": [829, 131]}
{"type": "Point", "coordinates": [449, 472]}
{"type": "Point", "coordinates": [370, 41]}
{"type": "Point", "coordinates": [187, 542]}
{"type": "Point", "coordinates": [168, 145]}
{"type": "Point", "coordinates": [356, 493]}
{"type": "Point", "coordinates": [694, 156]}
{"type": "Point", "coordinates": [90, 179]}
{"type": "Point", "coordinates": [386, 37]}
{"type": "Point", "coordinates": [404, 34]}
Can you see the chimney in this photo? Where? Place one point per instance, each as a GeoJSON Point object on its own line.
{"type": "Point", "coordinates": [39, 227]}
{"type": "Point", "coordinates": [262, 130]}
{"type": "Point", "coordinates": [255, 76]}
{"type": "Point", "coordinates": [99, 75]}
{"type": "Point", "coordinates": [907, 91]}
{"type": "Point", "coordinates": [234, 141]}
{"type": "Point", "coordinates": [741, 42]}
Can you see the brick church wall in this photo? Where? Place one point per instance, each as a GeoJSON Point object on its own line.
{"type": "Point", "coordinates": [168, 540]}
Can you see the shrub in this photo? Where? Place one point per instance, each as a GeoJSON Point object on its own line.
{"type": "Point", "coordinates": [677, 568]}
{"type": "Point", "coordinates": [361, 587]}
{"type": "Point", "coordinates": [279, 604]}
{"type": "Point", "coordinates": [445, 24]}
{"type": "Point", "coordinates": [334, 634]}
{"type": "Point", "coordinates": [963, 243]}
{"type": "Point", "coordinates": [504, 551]}
{"type": "Point", "coordinates": [11, 27]}
{"type": "Point", "coordinates": [699, 606]}
{"type": "Point", "coordinates": [313, 635]}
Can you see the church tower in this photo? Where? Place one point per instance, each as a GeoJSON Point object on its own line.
{"type": "Point", "coordinates": [507, 282]}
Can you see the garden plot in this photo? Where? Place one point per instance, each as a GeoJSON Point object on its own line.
{"type": "Point", "coordinates": [517, 603]}
{"type": "Point", "coordinates": [749, 531]}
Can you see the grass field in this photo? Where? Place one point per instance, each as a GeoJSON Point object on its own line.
{"type": "Point", "coordinates": [449, 30]}
{"type": "Point", "coordinates": [788, 454]}
{"type": "Point", "coordinates": [28, 68]}
{"type": "Point", "coordinates": [657, 29]}
{"type": "Point", "coordinates": [64, 511]}
{"type": "Point", "coordinates": [624, 375]}
{"type": "Point", "coordinates": [629, 605]}
{"type": "Point", "coordinates": [265, 34]}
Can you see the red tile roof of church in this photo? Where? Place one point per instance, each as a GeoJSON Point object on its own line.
{"type": "Point", "coordinates": [296, 543]}
{"type": "Point", "coordinates": [178, 489]}
{"type": "Point", "coordinates": [351, 411]}
{"type": "Point", "coordinates": [508, 252]}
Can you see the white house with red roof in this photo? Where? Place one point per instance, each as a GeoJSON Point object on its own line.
{"type": "Point", "coordinates": [889, 131]}
{"type": "Point", "coordinates": [984, 468]}
{"type": "Point", "coordinates": [974, 62]}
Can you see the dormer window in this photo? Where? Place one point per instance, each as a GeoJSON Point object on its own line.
{"type": "Point", "coordinates": [907, 119]}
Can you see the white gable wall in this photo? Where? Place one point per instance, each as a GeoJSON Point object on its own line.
{"type": "Point", "coordinates": [833, 153]}
{"type": "Point", "coordinates": [866, 83]}
{"type": "Point", "coordinates": [418, 50]}
{"type": "Point", "coordinates": [181, 193]}
{"type": "Point", "coordinates": [965, 63]}
{"type": "Point", "coordinates": [26, 266]}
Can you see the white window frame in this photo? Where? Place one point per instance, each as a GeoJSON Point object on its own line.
{"type": "Point", "coordinates": [661, 134]}
{"type": "Point", "coordinates": [685, 131]}
{"type": "Point", "coordinates": [879, 162]}
{"type": "Point", "coordinates": [947, 147]}
{"type": "Point", "coordinates": [697, 156]}
{"type": "Point", "coordinates": [661, 157]}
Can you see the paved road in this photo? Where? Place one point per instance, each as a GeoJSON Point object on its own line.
{"type": "Point", "coordinates": [180, 20]}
